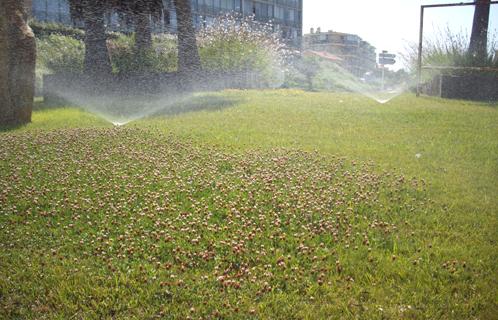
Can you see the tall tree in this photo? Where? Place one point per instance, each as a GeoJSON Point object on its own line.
{"type": "Point", "coordinates": [142, 13]}
{"type": "Point", "coordinates": [97, 61]}
{"type": "Point", "coordinates": [189, 62]}
{"type": "Point", "coordinates": [479, 37]}
{"type": "Point", "coordinates": [17, 64]}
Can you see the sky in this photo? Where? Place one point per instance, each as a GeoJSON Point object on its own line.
{"type": "Point", "coordinates": [389, 24]}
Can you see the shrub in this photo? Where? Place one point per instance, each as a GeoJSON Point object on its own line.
{"type": "Point", "coordinates": [235, 44]}
{"type": "Point", "coordinates": [45, 29]}
{"type": "Point", "coordinates": [58, 54]}
{"type": "Point", "coordinates": [308, 67]}
{"type": "Point", "coordinates": [161, 58]}
{"type": "Point", "coordinates": [230, 45]}
{"type": "Point", "coordinates": [61, 54]}
{"type": "Point", "coordinates": [448, 49]}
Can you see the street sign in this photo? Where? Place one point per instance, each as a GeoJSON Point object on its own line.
{"type": "Point", "coordinates": [386, 61]}
{"type": "Point", "coordinates": [386, 58]}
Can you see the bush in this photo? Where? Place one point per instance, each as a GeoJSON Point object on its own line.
{"type": "Point", "coordinates": [61, 54]}
{"type": "Point", "coordinates": [305, 68]}
{"type": "Point", "coordinates": [235, 44]}
{"type": "Point", "coordinates": [64, 54]}
{"type": "Point", "coordinates": [161, 58]}
{"type": "Point", "coordinates": [230, 45]}
{"type": "Point", "coordinates": [58, 54]}
{"type": "Point", "coordinates": [448, 49]}
{"type": "Point", "coordinates": [45, 29]}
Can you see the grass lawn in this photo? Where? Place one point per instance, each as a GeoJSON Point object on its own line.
{"type": "Point", "coordinates": [265, 204]}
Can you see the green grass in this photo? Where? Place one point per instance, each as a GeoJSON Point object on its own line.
{"type": "Point", "coordinates": [276, 204]}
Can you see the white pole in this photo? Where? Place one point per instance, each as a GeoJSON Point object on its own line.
{"type": "Point", "coordinates": [382, 66]}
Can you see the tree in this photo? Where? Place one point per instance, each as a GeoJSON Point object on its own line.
{"type": "Point", "coordinates": [142, 12]}
{"type": "Point", "coordinates": [189, 62]}
{"type": "Point", "coordinates": [92, 12]}
{"type": "Point", "coordinates": [309, 66]}
{"type": "Point", "coordinates": [17, 64]}
{"type": "Point", "coordinates": [479, 36]}
{"type": "Point", "coordinates": [97, 61]}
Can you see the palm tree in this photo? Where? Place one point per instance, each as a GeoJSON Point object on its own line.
{"type": "Point", "coordinates": [142, 12]}
{"type": "Point", "coordinates": [92, 12]}
{"type": "Point", "coordinates": [96, 54]}
{"type": "Point", "coordinates": [17, 64]}
{"type": "Point", "coordinates": [479, 36]}
{"type": "Point", "coordinates": [189, 62]}
{"type": "Point", "coordinates": [97, 61]}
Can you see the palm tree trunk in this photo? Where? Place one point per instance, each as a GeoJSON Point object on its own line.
{"type": "Point", "coordinates": [97, 61]}
{"type": "Point", "coordinates": [479, 36]}
{"type": "Point", "coordinates": [6, 110]}
{"type": "Point", "coordinates": [189, 62]}
{"type": "Point", "coordinates": [17, 64]}
{"type": "Point", "coordinates": [143, 32]}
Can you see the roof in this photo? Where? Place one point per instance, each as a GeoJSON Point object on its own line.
{"type": "Point", "coordinates": [323, 54]}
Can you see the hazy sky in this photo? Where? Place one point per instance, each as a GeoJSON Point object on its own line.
{"type": "Point", "coordinates": [388, 24]}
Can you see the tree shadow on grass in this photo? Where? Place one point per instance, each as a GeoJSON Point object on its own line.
{"type": "Point", "coordinates": [196, 103]}
{"type": "Point", "coordinates": [37, 105]}
{"type": "Point", "coordinates": [124, 109]}
{"type": "Point", "coordinates": [489, 104]}
{"type": "Point", "coordinates": [40, 104]}
{"type": "Point", "coordinates": [144, 106]}
{"type": "Point", "coordinates": [13, 127]}
{"type": "Point", "coordinates": [129, 106]}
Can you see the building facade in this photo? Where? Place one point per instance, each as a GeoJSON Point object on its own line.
{"type": "Point", "coordinates": [356, 55]}
{"type": "Point", "coordinates": [286, 15]}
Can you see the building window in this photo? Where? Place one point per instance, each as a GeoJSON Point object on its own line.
{"type": "Point", "coordinates": [248, 8]}
{"type": "Point", "coordinates": [166, 18]}
{"type": "Point", "coordinates": [270, 11]}
{"type": "Point", "coordinates": [51, 10]}
{"type": "Point", "coordinates": [227, 5]}
{"type": "Point", "coordinates": [290, 15]}
{"type": "Point", "coordinates": [263, 10]}
{"type": "Point", "coordinates": [209, 21]}
{"type": "Point", "coordinates": [197, 21]}
{"type": "Point", "coordinates": [279, 13]}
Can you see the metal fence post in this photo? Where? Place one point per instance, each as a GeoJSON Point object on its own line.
{"type": "Point", "coordinates": [419, 63]}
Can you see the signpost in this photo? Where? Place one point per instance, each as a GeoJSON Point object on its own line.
{"type": "Point", "coordinates": [386, 58]}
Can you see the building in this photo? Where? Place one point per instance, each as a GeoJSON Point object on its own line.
{"type": "Point", "coordinates": [357, 55]}
{"type": "Point", "coordinates": [286, 15]}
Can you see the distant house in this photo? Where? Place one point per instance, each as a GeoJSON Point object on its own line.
{"type": "Point", "coordinates": [286, 15]}
{"type": "Point", "coordinates": [355, 54]}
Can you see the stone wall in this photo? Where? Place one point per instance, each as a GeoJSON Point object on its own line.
{"type": "Point", "coordinates": [478, 87]}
